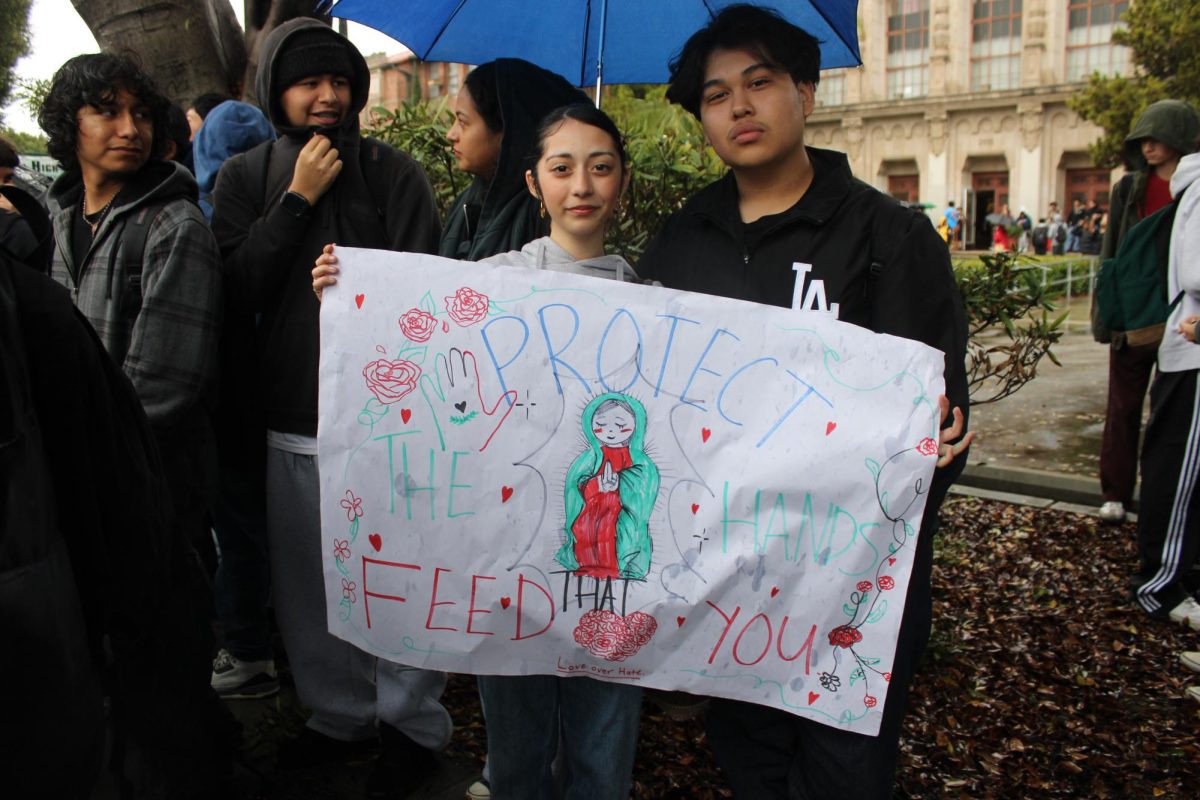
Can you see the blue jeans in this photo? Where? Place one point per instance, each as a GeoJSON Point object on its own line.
{"type": "Point", "coordinates": [243, 582]}
{"type": "Point", "coordinates": [599, 729]}
{"type": "Point", "coordinates": [1072, 240]}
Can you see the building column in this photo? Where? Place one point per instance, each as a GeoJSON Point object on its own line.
{"type": "Point", "coordinates": [1026, 185]}
{"type": "Point", "coordinates": [937, 186]}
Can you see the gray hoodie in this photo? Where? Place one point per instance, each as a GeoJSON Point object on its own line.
{"type": "Point", "coordinates": [544, 253]}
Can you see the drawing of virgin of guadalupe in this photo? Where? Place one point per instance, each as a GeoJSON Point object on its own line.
{"type": "Point", "coordinates": [610, 493]}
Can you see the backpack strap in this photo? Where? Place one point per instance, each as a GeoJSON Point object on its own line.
{"type": "Point", "coordinates": [131, 250]}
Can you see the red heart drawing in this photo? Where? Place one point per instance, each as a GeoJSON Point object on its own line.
{"type": "Point", "coordinates": [612, 637]}
{"type": "Point", "coordinates": [406, 414]}
{"type": "Point", "coordinates": [812, 697]}
{"type": "Point", "coordinates": [891, 561]}
{"type": "Point", "coordinates": [704, 434]}
{"type": "Point", "coordinates": [774, 591]}
{"type": "Point", "coordinates": [358, 299]}
{"type": "Point", "coordinates": [376, 541]}
{"type": "Point", "coordinates": [505, 493]}
{"type": "Point", "coordinates": [679, 621]}
{"type": "Point", "coordinates": [829, 427]}
{"type": "Point", "coordinates": [505, 601]}
{"type": "Point", "coordinates": [695, 508]}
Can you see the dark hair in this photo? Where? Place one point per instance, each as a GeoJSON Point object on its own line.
{"type": "Point", "coordinates": [481, 83]}
{"type": "Point", "coordinates": [586, 113]}
{"type": "Point", "coordinates": [8, 154]}
{"type": "Point", "coordinates": [207, 102]}
{"type": "Point", "coordinates": [761, 31]}
{"type": "Point", "coordinates": [92, 80]}
{"type": "Point", "coordinates": [179, 132]}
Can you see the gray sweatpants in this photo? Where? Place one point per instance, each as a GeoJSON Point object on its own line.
{"type": "Point", "coordinates": [346, 688]}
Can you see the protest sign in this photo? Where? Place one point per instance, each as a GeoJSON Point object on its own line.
{"type": "Point", "coordinates": [529, 472]}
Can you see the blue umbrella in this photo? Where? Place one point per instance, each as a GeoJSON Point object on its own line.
{"type": "Point", "coordinates": [586, 41]}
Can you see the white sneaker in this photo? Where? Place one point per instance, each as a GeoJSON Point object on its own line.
{"type": "Point", "coordinates": [1191, 660]}
{"type": "Point", "coordinates": [1113, 511]}
{"type": "Point", "coordinates": [1194, 693]}
{"type": "Point", "coordinates": [233, 679]}
{"type": "Point", "coordinates": [479, 790]}
{"type": "Point", "coordinates": [1187, 613]}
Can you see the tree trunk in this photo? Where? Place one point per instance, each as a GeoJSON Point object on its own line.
{"type": "Point", "coordinates": [187, 46]}
{"type": "Point", "coordinates": [261, 18]}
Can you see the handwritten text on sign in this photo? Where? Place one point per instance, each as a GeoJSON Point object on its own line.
{"type": "Point", "coordinates": [530, 472]}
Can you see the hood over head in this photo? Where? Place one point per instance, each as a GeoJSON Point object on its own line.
{"type": "Point", "coordinates": [232, 127]}
{"type": "Point", "coordinates": [526, 93]}
{"type": "Point", "coordinates": [302, 47]}
{"type": "Point", "coordinates": [39, 224]}
{"type": "Point", "coordinates": [1172, 122]}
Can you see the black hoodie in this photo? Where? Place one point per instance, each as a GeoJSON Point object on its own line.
{"type": "Point", "coordinates": [496, 217]}
{"type": "Point", "coordinates": [269, 253]}
{"type": "Point", "coordinates": [839, 228]}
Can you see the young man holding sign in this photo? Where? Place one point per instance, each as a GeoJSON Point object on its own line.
{"type": "Point", "coordinates": [790, 226]}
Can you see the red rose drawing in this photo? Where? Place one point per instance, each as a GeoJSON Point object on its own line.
{"type": "Point", "coordinates": [927, 447]}
{"type": "Point", "coordinates": [614, 638]}
{"type": "Point", "coordinates": [844, 636]}
{"type": "Point", "coordinates": [864, 586]}
{"type": "Point", "coordinates": [886, 582]}
{"type": "Point", "coordinates": [869, 701]}
{"type": "Point", "coordinates": [467, 306]}
{"type": "Point", "coordinates": [390, 381]}
{"type": "Point", "coordinates": [418, 324]}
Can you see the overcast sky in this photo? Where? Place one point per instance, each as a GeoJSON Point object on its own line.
{"type": "Point", "coordinates": [58, 33]}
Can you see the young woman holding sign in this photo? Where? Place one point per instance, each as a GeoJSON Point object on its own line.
{"type": "Point", "coordinates": [580, 172]}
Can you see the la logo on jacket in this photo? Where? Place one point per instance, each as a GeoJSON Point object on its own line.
{"type": "Point", "coordinates": [812, 296]}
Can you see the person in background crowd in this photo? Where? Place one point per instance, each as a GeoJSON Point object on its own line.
{"type": "Point", "coordinates": [179, 139]}
{"type": "Point", "coordinates": [1163, 134]}
{"type": "Point", "coordinates": [15, 232]}
{"type": "Point", "coordinates": [1025, 224]}
{"type": "Point", "coordinates": [274, 209]}
{"type": "Point", "coordinates": [245, 663]}
{"type": "Point", "coordinates": [953, 218]}
{"type": "Point", "coordinates": [750, 77]}
{"type": "Point", "coordinates": [1058, 229]}
{"type": "Point", "coordinates": [496, 114]}
{"type": "Point", "coordinates": [198, 110]}
{"type": "Point", "coordinates": [1075, 225]}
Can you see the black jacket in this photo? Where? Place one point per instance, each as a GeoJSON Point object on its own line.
{"type": "Point", "coordinates": [269, 253]}
{"type": "Point", "coordinates": [498, 216]}
{"type": "Point", "coordinates": [840, 227]}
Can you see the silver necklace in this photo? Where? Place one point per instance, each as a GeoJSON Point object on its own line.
{"type": "Point", "coordinates": [94, 219]}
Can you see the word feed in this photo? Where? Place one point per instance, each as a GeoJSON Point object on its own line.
{"type": "Point", "coordinates": [521, 470]}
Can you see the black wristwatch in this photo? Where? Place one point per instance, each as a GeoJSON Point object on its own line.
{"type": "Point", "coordinates": [295, 204]}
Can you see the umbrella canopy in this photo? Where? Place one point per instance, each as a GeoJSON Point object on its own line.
{"type": "Point", "coordinates": [999, 219]}
{"type": "Point", "coordinates": [636, 39]}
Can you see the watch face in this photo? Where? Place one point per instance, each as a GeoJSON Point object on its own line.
{"type": "Point", "coordinates": [294, 203]}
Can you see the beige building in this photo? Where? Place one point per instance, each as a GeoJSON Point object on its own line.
{"type": "Point", "coordinates": [967, 101]}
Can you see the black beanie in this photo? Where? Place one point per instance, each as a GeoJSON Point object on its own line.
{"type": "Point", "coordinates": [311, 52]}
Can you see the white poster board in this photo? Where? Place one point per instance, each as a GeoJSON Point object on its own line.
{"type": "Point", "coordinates": [531, 472]}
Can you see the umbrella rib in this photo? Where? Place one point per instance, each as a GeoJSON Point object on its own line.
{"type": "Point", "coordinates": [587, 29]}
{"type": "Point", "coordinates": [449, 18]}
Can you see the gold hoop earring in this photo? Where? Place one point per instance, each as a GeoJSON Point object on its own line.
{"type": "Point", "coordinates": [541, 208]}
